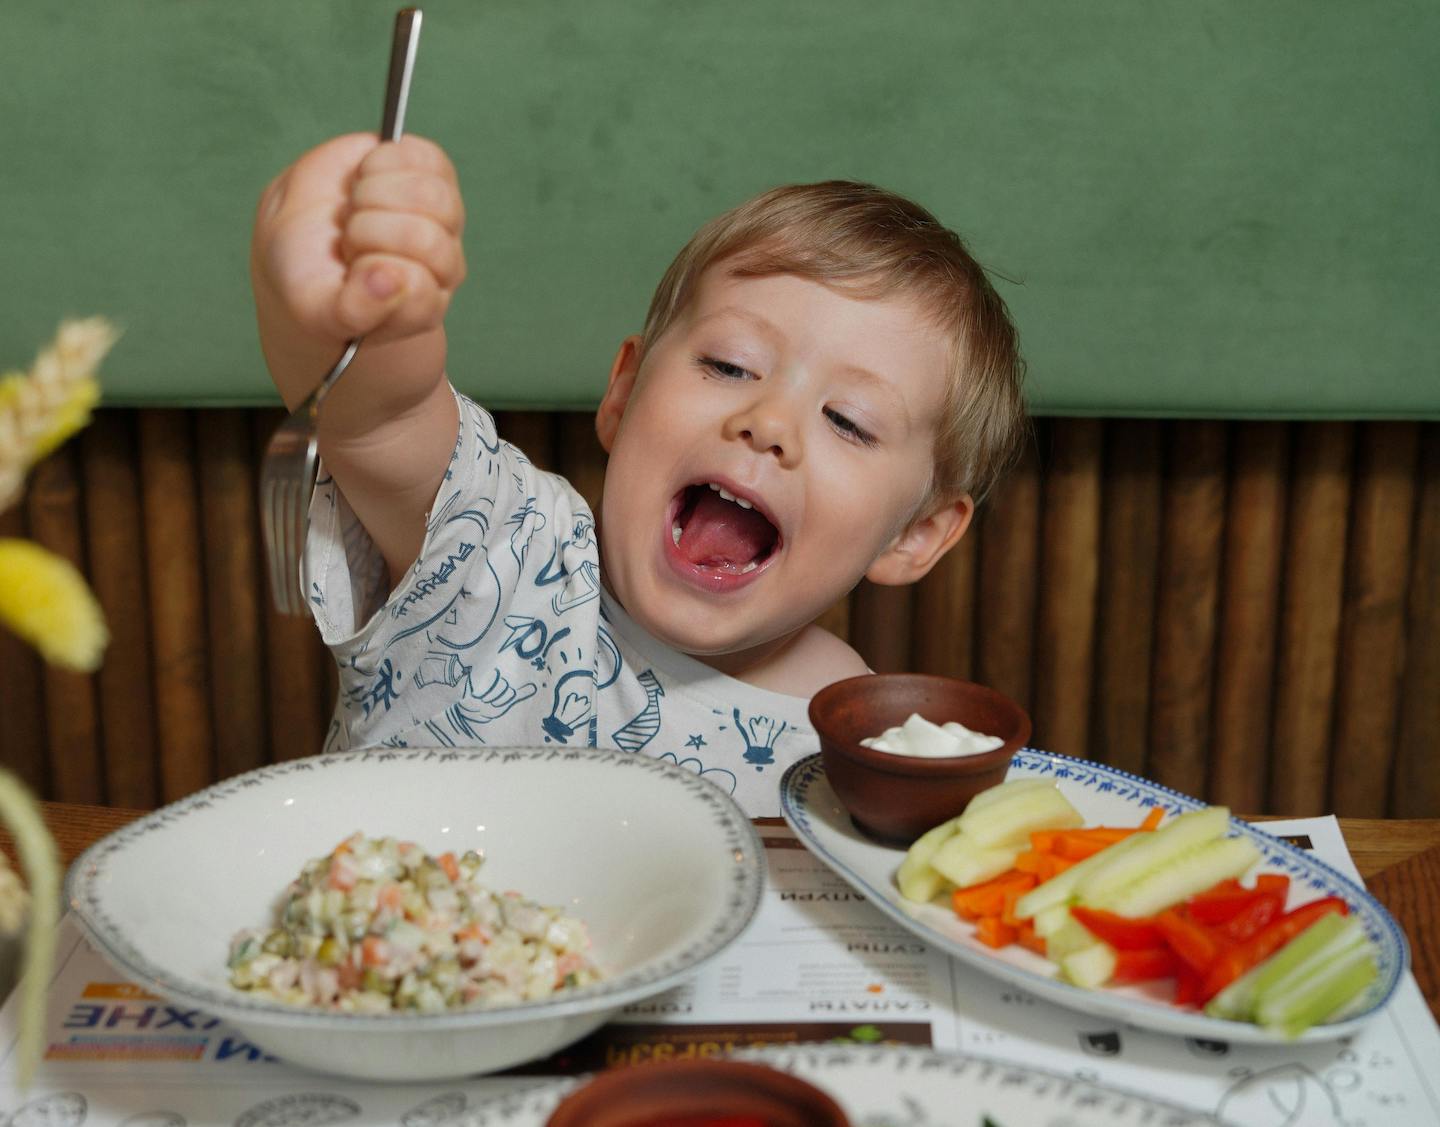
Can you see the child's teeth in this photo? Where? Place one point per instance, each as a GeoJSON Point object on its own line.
{"type": "Point", "coordinates": [720, 489]}
{"type": "Point", "coordinates": [675, 533]}
{"type": "Point", "coordinates": [751, 566]}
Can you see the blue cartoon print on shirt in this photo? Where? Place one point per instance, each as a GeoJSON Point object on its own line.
{"type": "Point", "coordinates": [580, 583]}
{"type": "Point", "coordinates": [524, 523]}
{"type": "Point", "coordinates": [573, 705]}
{"type": "Point", "coordinates": [722, 778]}
{"type": "Point", "coordinates": [498, 698]}
{"type": "Point", "coordinates": [759, 733]}
{"type": "Point", "coordinates": [640, 729]}
{"type": "Point", "coordinates": [531, 638]}
{"type": "Point", "coordinates": [480, 589]}
{"type": "Point", "coordinates": [380, 691]}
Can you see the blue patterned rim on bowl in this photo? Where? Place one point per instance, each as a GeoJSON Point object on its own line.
{"type": "Point", "coordinates": [85, 880]}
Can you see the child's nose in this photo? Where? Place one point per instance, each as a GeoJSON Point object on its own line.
{"type": "Point", "coordinates": [768, 425]}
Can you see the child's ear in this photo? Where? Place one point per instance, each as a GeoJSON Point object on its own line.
{"type": "Point", "coordinates": [617, 392]}
{"type": "Point", "coordinates": [915, 551]}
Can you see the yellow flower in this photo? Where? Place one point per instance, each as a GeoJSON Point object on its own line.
{"type": "Point", "coordinates": [45, 601]}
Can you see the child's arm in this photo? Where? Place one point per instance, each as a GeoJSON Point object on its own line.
{"type": "Point", "coordinates": [362, 239]}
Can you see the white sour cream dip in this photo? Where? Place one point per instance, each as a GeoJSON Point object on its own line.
{"type": "Point", "coordinates": [919, 737]}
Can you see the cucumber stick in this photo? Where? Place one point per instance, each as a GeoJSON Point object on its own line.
{"type": "Point", "coordinates": [1049, 920]}
{"type": "Point", "coordinates": [1306, 981]}
{"type": "Point", "coordinates": [1179, 878]}
{"type": "Point", "coordinates": [1327, 938]}
{"type": "Point", "coordinates": [1237, 1000]}
{"type": "Point", "coordinates": [984, 841]}
{"type": "Point", "coordinates": [1156, 851]}
{"type": "Point", "coordinates": [1090, 967]}
{"type": "Point", "coordinates": [1004, 791]}
{"type": "Point", "coordinates": [916, 879]}
{"type": "Point", "coordinates": [1059, 890]}
{"type": "Point", "coordinates": [1010, 820]}
{"type": "Point", "coordinates": [1070, 936]}
{"type": "Point", "coordinates": [1332, 988]}
{"type": "Point", "coordinates": [962, 861]}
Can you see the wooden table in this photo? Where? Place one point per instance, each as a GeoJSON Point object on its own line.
{"type": "Point", "coordinates": [1399, 860]}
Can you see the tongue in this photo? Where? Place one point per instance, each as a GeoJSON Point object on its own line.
{"type": "Point", "coordinates": [720, 533]}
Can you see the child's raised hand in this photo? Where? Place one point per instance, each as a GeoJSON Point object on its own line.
{"type": "Point", "coordinates": [358, 238]}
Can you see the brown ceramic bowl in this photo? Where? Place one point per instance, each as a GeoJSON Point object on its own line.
{"type": "Point", "coordinates": [646, 1095]}
{"type": "Point", "coordinates": [896, 798]}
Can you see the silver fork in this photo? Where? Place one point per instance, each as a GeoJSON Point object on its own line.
{"type": "Point", "coordinates": [287, 472]}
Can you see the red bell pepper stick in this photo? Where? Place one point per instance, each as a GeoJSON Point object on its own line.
{"type": "Point", "coordinates": [1187, 984]}
{"type": "Point", "coordinates": [1227, 900]}
{"type": "Point", "coordinates": [1124, 933]}
{"type": "Point", "coordinates": [1194, 944]}
{"type": "Point", "coordinates": [1238, 959]}
{"type": "Point", "coordinates": [1255, 916]}
{"type": "Point", "coordinates": [1143, 963]}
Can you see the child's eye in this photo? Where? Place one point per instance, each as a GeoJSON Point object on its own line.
{"type": "Point", "coordinates": [849, 428]}
{"type": "Point", "coordinates": [724, 369]}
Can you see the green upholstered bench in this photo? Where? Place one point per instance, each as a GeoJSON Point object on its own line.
{"type": "Point", "coordinates": [1225, 209]}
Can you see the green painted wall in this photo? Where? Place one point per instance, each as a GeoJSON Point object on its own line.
{"type": "Point", "coordinates": [1203, 208]}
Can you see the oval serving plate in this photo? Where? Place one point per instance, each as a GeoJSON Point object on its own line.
{"type": "Point", "coordinates": [877, 1085]}
{"type": "Point", "coordinates": [1103, 796]}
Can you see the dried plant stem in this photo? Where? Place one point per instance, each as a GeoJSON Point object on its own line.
{"type": "Point", "coordinates": [41, 865]}
{"type": "Point", "coordinates": [40, 408]}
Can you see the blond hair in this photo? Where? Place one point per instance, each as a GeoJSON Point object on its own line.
{"type": "Point", "coordinates": [874, 243]}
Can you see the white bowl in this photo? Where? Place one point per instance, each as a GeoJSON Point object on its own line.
{"type": "Point", "coordinates": [662, 866]}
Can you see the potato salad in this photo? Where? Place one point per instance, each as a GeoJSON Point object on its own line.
{"type": "Point", "coordinates": [380, 925]}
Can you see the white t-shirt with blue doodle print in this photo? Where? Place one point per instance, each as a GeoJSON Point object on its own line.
{"type": "Point", "coordinates": [501, 634]}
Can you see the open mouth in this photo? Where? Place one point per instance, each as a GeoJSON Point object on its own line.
{"type": "Point", "coordinates": [718, 531]}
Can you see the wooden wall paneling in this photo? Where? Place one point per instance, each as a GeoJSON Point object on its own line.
{"type": "Point", "coordinates": [1191, 539]}
{"type": "Point", "coordinates": [299, 701]}
{"type": "Point", "coordinates": [580, 457]}
{"type": "Point", "coordinates": [1372, 634]}
{"type": "Point", "coordinates": [71, 710]}
{"type": "Point", "coordinates": [1069, 574]}
{"type": "Point", "coordinates": [534, 432]}
{"type": "Point", "coordinates": [329, 682]}
{"type": "Point", "coordinates": [1129, 549]}
{"type": "Point", "coordinates": [1009, 580]}
{"type": "Point", "coordinates": [116, 540]}
{"type": "Point", "coordinates": [175, 564]}
{"type": "Point", "coordinates": [943, 638]}
{"type": "Point", "coordinates": [1249, 615]}
{"type": "Point", "coordinates": [234, 584]}
{"type": "Point", "coordinates": [880, 623]}
{"type": "Point", "coordinates": [1328, 614]}
{"type": "Point", "coordinates": [300, 683]}
{"type": "Point", "coordinates": [1310, 617]}
{"type": "Point", "coordinates": [1415, 780]}
{"type": "Point", "coordinates": [23, 743]}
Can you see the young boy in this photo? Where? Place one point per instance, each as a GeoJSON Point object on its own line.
{"type": "Point", "coordinates": [825, 382]}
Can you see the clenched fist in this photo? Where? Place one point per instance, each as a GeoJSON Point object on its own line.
{"type": "Point", "coordinates": [360, 238]}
